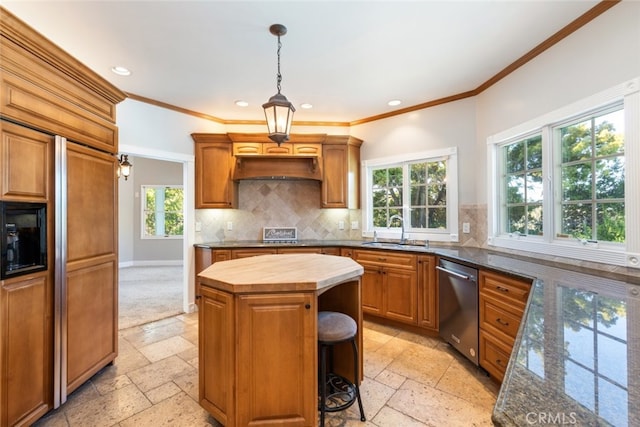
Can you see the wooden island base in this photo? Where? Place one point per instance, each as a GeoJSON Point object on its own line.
{"type": "Point", "coordinates": [258, 352]}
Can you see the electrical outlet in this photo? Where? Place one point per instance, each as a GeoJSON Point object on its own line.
{"type": "Point", "coordinates": [466, 228]}
{"type": "Point", "coordinates": [229, 225]}
{"type": "Point", "coordinates": [340, 225]}
{"type": "Point", "coordinates": [354, 225]}
{"type": "Point", "coordinates": [198, 226]}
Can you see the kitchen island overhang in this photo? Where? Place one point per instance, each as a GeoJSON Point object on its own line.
{"type": "Point", "coordinates": [258, 335]}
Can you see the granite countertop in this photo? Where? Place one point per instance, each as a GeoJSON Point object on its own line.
{"type": "Point", "coordinates": [576, 358]}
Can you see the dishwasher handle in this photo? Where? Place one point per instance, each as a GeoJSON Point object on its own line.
{"type": "Point", "coordinates": [454, 273]}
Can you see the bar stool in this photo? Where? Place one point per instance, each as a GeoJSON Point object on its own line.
{"type": "Point", "coordinates": [336, 392]}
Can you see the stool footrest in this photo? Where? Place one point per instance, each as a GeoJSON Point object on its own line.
{"type": "Point", "coordinates": [341, 394]}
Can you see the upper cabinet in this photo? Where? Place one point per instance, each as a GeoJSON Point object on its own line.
{"type": "Point", "coordinates": [223, 159]}
{"type": "Point", "coordinates": [341, 164]}
{"type": "Point", "coordinates": [215, 164]}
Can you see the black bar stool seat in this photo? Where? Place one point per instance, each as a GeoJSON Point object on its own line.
{"type": "Point", "coordinates": [337, 393]}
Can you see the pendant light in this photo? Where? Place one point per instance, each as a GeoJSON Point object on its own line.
{"type": "Point", "coordinates": [278, 110]}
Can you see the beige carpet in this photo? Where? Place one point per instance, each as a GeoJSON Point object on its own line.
{"type": "Point", "coordinates": [147, 294]}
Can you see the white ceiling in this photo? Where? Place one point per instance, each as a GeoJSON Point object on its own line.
{"type": "Point", "coordinates": [347, 58]}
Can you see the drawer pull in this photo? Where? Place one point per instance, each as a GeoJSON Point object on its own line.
{"type": "Point", "coordinates": [502, 322]}
{"type": "Point", "coordinates": [502, 289]}
{"type": "Point", "coordinates": [499, 362]}
{"type": "Point", "coordinates": [381, 259]}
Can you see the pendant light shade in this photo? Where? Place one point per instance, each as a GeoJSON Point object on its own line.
{"type": "Point", "coordinates": [278, 110]}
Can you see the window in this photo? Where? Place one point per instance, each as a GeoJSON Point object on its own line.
{"type": "Point", "coordinates": [417, 193]}
{"type": "Point", "coordinates": [591, 177]}
{"type": "Point", "coordinates": [562, 181]}
{"type": "Point", "coordinates": [162, 211]}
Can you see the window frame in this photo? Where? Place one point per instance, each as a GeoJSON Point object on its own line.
{"type": "Point", "coordinates": [627, 254]}
{"type": "Point", "coordinates": [143, 235]}
{"type": "Point", "coordinates": [450, 234]}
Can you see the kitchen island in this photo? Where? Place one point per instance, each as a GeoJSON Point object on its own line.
{"type": "Point", "coordinates": [258, 335]}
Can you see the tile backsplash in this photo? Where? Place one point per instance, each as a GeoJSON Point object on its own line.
{"type": "Point", "coordinates": [277, 203]}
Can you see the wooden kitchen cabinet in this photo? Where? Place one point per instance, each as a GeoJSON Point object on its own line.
{"type": "Point", "coordinates": [341, 166]}
{"type": "Point", "coordinates": [502, 300]}
{"type": "Point", "coordinates": [214, 164]}
{"type": "Point", "coordinates": [204, 257]}
{"type": "Point", "coordinates": [26, 157]}
{"type": "Point", "coordinates": [427, 292]}
{"type": "Point", "coordinates": [26, 348]}
{"type": "Point", "coordinates": [389, 285]}
{"type": "Point", "coordinates": [310, 250]}
{"type": "Point", "coordinates": [249, 252]}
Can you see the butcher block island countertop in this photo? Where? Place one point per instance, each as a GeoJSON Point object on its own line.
{"type": "Point", "coordinates": [280, 273]}
{"type": "Point", "coordinates": [258, 335]}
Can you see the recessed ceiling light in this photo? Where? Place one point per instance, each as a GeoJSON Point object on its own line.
{"type": "Point", "coordinates": [241, 103]}
{"type": "Point", "coordinates": [306, 106]}
{"type": "Point", "coordinates": [121, 71]}
{"type": "Point", "coordinates": [394, 102]}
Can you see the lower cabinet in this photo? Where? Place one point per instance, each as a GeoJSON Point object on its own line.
{"type": "Point", "coordinates": [277, 357]}
{"type": "Point", "coordinates": [26, 349]}
{"type": "Point", "coordinates": [389, 285]}
{"type": "Point", "coordinates": [427, 292]}
{"type": "Point", "coordinates": [502, 300]}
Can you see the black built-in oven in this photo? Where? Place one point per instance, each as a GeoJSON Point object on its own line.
{"type": "Point", "coordinates": [24, 238]}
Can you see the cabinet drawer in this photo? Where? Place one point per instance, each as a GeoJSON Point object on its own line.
{"type": "Point", "coordinates": [494, 315]}
{"type": "Point", "coordinates": [307, 149]}
{"type": "Point", "coordinates": [494, 355]}
{"type": "Point", "coordinates": [386, 259]}
{"type": "Point", "coordinates": [246, 148]}
{"type": "Point", "coordinates": [507, 289]}
{"type": "Point", "coordinates": [271, 148]}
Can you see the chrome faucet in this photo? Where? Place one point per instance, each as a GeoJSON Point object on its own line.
{"type": "Point", "coordinates": [391, 218]}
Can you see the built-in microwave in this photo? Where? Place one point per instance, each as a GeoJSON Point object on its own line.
{"type": "Point", "coordinates": [24, 238]}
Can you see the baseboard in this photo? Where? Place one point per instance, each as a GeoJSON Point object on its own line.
{"type": "Point", "coordinates": [151, 263]}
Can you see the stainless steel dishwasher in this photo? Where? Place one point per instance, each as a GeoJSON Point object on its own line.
{"type": "Point", "coordinates": [458, 307]}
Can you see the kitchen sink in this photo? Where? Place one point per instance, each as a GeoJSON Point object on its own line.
{"type": "Point", "coordinates": [392, 245]}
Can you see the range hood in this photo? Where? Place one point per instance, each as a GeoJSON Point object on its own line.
{"type": "Point", "coordinates": [257, 157]}
{"type": "Point", "coordinates": [277, 167]}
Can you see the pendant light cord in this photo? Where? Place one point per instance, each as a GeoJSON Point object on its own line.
{"type": "Point", "coordinates": [279, 75]}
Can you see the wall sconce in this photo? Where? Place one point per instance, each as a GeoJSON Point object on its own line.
{"type": "Point", "coordinates": [124, 168]}
{"type": "Point", "coordinates": [278, 110]}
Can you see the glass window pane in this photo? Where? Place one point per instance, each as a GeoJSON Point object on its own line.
{"type": "Point", "coordinates": [437, 218]}
{"type": "Point", "coordinates": [577, 220]}
{"type": "Point", "coordinates": [610, 222]}
{"type": "Point", "coordinates": [380, 178]}
{"type": "Point", "coordinates": [437, 195]}
{"type": "Point", "coordinates": [534, 187]}
{"type": "Point", "coordinates": [437, 172]}
{"type": "Point", "coordinates": [515, 188]}
{"type": "Point", "coordinates": [395, 177]}
{"type": "Point", "coordinates": [418, 173]}
{"type": "Point", "coordinates": [395, 196]}
{"type": "Point", "coordinates": [610, 178]}
{"type": "Point", "coordinates": [516, 219]}
{"type": "Point", "coordinates": [418, 218]}
{"type": "Point", "coordinates": [514, 157]}
{"type": "Point", "coordinates": [534, 152]}
{"type": "Point", "coordinates": [379, 217]}
{"type": "Point", "coordinates": [576, 182]}
{"type": "Point", "coordinates": [150, 224]}
{"type": "Point", "coordinates": [576, 142]}
{"type": "Point", "coordinates": [609, 133]}
{"type": "Point", "coordinates": [380, 198]}
{"type": "Point", "coordinates": [534, 220]}
{"type": "Point", "coordinates": [418, 196]}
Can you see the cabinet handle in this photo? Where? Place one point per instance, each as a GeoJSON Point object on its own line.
{"type": "Point", "coordinates": [499, 362]}
{"type": "Point", "coordinates": [381, 259]}
{"type": "Point", "coordinates": [502, 289]}
{"type": "Point", "coordinates": [502, 322]}
{"type": "Point", "coordinates": [307, 306]}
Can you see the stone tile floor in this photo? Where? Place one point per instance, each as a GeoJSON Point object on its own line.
{"type": "Point", "coordinates": [410, 381]}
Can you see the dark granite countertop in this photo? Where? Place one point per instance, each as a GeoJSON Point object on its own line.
{"type": "Point", "coordinates": [576, 358]}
